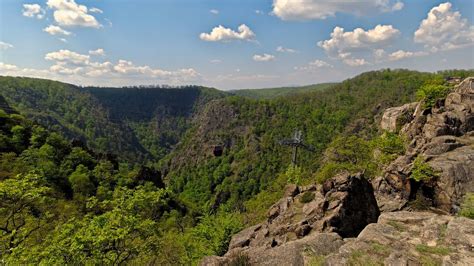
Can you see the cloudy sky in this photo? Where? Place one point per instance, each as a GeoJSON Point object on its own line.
{"type": "Point", "coordinates": [230, 44]}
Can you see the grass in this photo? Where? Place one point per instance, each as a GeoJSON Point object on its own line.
{"type": "Point", "coordinates": [361, 258]}
{"type": "Point", "coordinates": [440, 250]}
{"type": "Point", "coordinates": [397, 225]}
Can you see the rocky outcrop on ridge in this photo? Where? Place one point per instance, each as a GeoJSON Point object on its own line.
{"type": "Point", "coordinates": [339, 222]}
{"type": "Point", "coordinates": [318, 216]}
{"type": "Point", "coordinates": [441, 136]}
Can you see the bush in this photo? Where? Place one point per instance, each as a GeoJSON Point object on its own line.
{"type": "Point", "coordinates": [307, 197]}
{"type": "Point", "coordinates": [467, 207]}
{"type": "Point", "coordinates": [422, 171]}
{"type": "Point", "coordinates": [431, 93]}
{"type": "Point", "coordinates": [294, 174]}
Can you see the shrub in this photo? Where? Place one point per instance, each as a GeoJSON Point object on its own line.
{"type": "Point", "coordinates": [422, 171]}
{"type": "Point", "coordinates": [467, 207]}
{"type": "Point", "coordinates": [307, 197]}
{"type": "Point", "coordinates": [294, 174]}
{"type": "Point", "coordinates": [431, 93]}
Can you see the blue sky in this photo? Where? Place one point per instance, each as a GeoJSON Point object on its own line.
{"type": "Point", "coordinates": [230, 44]}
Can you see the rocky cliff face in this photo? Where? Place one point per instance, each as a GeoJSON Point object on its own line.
{"type": "Point", "coordinates": [339, 222]}
{"type": "Point", "coordinates": [442, 137]}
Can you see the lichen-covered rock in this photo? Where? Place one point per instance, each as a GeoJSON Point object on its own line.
{"type": "Point", "coordinates": [443, 136]}
{"type": "Point", "coordinates": [342, 207]}
{"type": "Point", "coordinates": [394, 118]}
{"type": "Point", "coordinates": [410, 238]}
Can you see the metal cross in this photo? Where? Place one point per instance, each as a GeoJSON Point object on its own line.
{"type": "Point", "coordinates": [296, 142]}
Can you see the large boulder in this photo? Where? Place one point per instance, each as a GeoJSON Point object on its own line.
{"type": "Point", "coordinates": [314, 217]}
{"type": "Point", "coordinates": [394, 118]}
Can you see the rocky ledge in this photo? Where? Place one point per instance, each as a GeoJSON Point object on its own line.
{"type": "Point", "coordinates": [443, 138]}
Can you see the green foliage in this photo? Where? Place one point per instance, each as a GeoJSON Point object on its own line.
{"type": "Point", "coordinates": [439, 250]}
{"type": "Point", "coordinates": [308, 196]}
{"type": "Point", "coordinates": [23, 210]}
{"type": "Point", "coordinates": [90, 208]}
{"type": "Point", "coordinates": [347, 154]}
{"type": "Point", "coordinates": [294, 174]}
{"type": "Point", "coordinates": [280, 92]}
{"type": "Point", "coordinates": [389, 146]}
{"type": "Point", "coordinates": [422, 171]}
{"type": "Point", "coordinates": [80, 181]}
{"type": "Point", "coordinates": [430, 93]}
{"type": "Point", "coordinates": [467, 207]}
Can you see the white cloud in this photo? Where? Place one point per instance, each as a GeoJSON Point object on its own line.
{"type": "Point", "coordinates": [400, 54]}
{"type": "Point", "coordinates": [69, 13]}
{"type": "Point", "coordinates": [221, 33]}
{"type": "Point", "coordinates": [5, 46]}
{"type": "Point", "coordinates": [321, 9]}
{"type": "Point", "coordinates": [33, 11]}
{"type": "Point", "coordinates": [96, 10]}
{"type": "Point", "coordinates": [99, 51]}
{"type": "Point", "coordinates": [56, 30]}
{"type": "Point", "coordinates": [314, 65]}
{"type": "Point", "coordinates": [68, 57]}
{"type": "Point", "coordinates": [259, 12]}
{"type": "Point", "coordinates": [282, 49]}
{"type": "Point", "coordinates": [355, 61]}
{"type": "Point", "coordinates": [344, 45]}
{"type": "Point", "coordinates": [215, 61]}
{"type": "Point", "coordinates": [214, 11]}
{"type": "Point", "coordinates": [263, 58]}
{"type": "Point", "coordinates": [73, 67]}
{"type": "Point", "coordinates": [444, 29]}
{"type": "Point", "coordinates": [63, 40]}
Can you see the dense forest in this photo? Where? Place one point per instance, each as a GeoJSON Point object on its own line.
{"type": "Point", "coordinates": [138, 124]}
{"type": "Point", "coordinates": [131, 175]}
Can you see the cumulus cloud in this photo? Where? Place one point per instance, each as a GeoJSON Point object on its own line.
{"type": "Point", "coordinates": [220, 33]}
{"type": "Point", "coordinates": [344, 45]}
{"type": "Point", "coordinates": [214, 11]}
{"type": "Point", "coordinates": [400, 54]}
{"type": "Point", "coordinates": [75, 67]}
{"type": "Point", "coordinates": [5, 46]}
{"type": "Point", "coordinates": [56, 30]}
{"type": "Point", "coordinates": [69, 13]}
{"type": "Point", "coordinates": [99, 52]}
{"type": "Point", "coordinates": [282, 49]}
{"type": "Point", "coordinates": [68, 57]}
{"type": "Point", "coordinates": [321, 9]}
{"type": "Point", "coordinates": [263, 57]}
{"type": "Point", "coordinates": [444, 29]}
{"type": "Point", "coordinates": [33, 11]}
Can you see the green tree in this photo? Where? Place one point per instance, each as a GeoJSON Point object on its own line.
{"type": "Point", "coordinates": [80, 182]}
{"type": "Point", "coordinates": [23, 210]}
{"type": "Point", "coordinates": [430, 93]}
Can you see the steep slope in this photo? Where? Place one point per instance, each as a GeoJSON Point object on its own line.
{"type": "Point", "coordinates": [138, 124]}
{"type": "Point", "coordinates": [270, 93]}
{"type": "Point", "coordinates": [338, 222]}
{"type": "Point", "coordinates": [248, 132]}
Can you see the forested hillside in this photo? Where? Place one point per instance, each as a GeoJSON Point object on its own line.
{"type": "Point", "coordinates": [66, 201]}
{"type": "Point", "coordinates": [136, 123]}
{"type": "Point", "coordinates": [270, 93]}
{"type": "Point", "coordinates": [253, 163]}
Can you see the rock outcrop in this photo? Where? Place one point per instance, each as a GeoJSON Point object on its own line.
{"type": "Point", "coordinates": [410, 238]}
{"type": "Point", "coordinates": [339, 222]}
{"type": "Point", "coordinates": [312, 216]}
{"type": "Point", "coordinates": [443, 137]}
